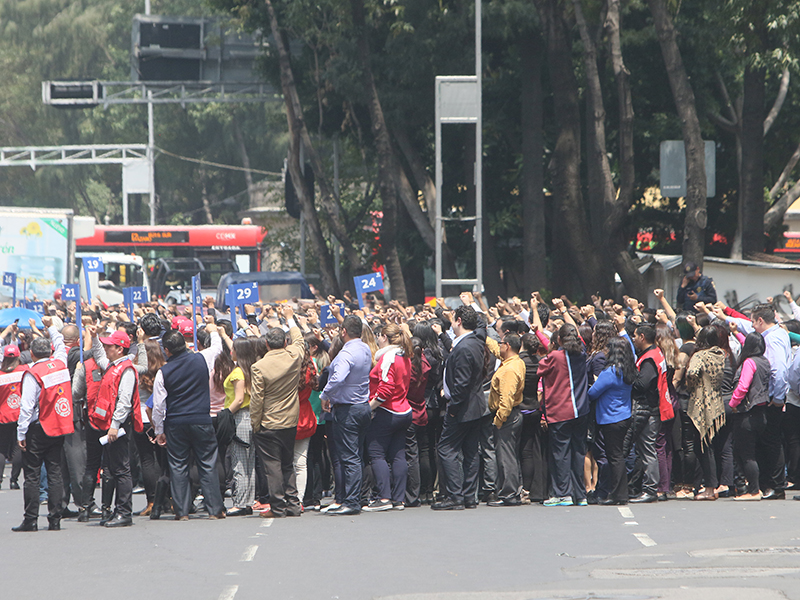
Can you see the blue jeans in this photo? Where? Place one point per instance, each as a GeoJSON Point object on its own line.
{"type": "Point", "coordinates": [350, 424]}
{"type": "Point", "coordinates": [386, 444]}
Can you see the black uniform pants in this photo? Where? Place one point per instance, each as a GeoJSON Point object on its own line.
{"type": "Point", "coordinates": [41, 448]}
{"type": "Point", "coordinates": [10, 449]}
{"type": "Point", "coordinates": [116, 460]}
{"type": "Point", "coordinates": [459, 460]}
{"type": "Point", "coordinates": [769, 451]}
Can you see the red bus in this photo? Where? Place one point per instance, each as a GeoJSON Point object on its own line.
{"type": "Point", "coordinates": [212, 242]}
{"type": "Point", "coordinates": [175, 252]}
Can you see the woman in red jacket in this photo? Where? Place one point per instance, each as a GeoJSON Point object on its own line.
{"type": "Point", "coordinates": [386, 437]}
{"type": "Point", "coordinates": [10, 397]}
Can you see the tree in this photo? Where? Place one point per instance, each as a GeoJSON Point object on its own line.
{"type": "Point", "coordinates": [683, 95]}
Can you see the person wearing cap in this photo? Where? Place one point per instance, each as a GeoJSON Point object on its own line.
{"type": "Point", "coordinates": [695, 287]}
{"type": "Point", "coordinates": [45, 417]}
{"type": "Point", "coordinates": [11, 373]}
{"type": "Point", "coordinates": [117, 409]}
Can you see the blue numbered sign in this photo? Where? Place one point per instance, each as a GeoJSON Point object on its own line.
{"type": "Point", "coordinates": [10, 279]}
{"type": "Point", "coordinates": [70, 292]}
{"type": "Point", "coordinates": [93, 264]}
{"type": "Point", "coordinates": [367, 283]}
{"type": "Point", "coordinates": [326, 316]}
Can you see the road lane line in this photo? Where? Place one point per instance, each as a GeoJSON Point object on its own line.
{"type": "Point", "coordinates": [229, 592]}
{"type": "Point", "coordinates": [630, 523]}
{"type": "Point", "coordinates": [645, 539]}
{"type": "Point", "coordinates": [249, 553]}
{"type": "Point", "coordinates": [626, 512]}
{"type": "Point", "coordinates": [267, 522]}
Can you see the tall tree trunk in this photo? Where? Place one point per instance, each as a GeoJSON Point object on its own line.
{"type": "Point", "coordinates": [204, 196]}
{"type": "Point", "coordinates": [296, 126]}
{"type": "Point", "coordinates": [619, 205]}
{"type": "Point", "coordinates": [386, 157]}
{"type": "Point", "coordinates": [566, 161]}
{"type": "Point", "coordinates": [248, 174]}
{"type": "Point", "coordinates": [533, 211]}
{"type": "Point", "coordinates": [420, 221]}
{"type": "Point", "coordinates": [752, 190]}
{"type": "Point", "coordinates": [418, 171]}
{"type": "Point", "coordinates": [694, 226]}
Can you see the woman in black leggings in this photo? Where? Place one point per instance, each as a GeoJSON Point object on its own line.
{"type": "Point", "coordinates": [749, 401]}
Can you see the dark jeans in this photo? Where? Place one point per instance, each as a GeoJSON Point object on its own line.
{"type": "Point", "coordinates": [434, 432]}
{"type": "Point", "coordinates": [10, 449]}
{"type": "Point", "coordinates": [459, 460]}
{"type": "Point", "coordinates": [509, 474]}
{"type": "Point", "coordinates": [276, 448]}
{"type": "Point", "coordinates": [690, 469]}
{"type": "Point", "coordinates": [73, 465]}
{"type": "Point", "coordinates": [614, 444]}
{"type": "Point", "coordinates": [488, 454]}
{"type": "Point", "coordinates": [723, 454]}
{"type": "Point", "coordinates": [95, 457]}
{"type": "Point", "coordinates": [791, 437]}
{"type": "Point", "coordinates": [747, 431]}
{"type": "Point", "coordinates": [201, 441]}
{"type": "Point", "coordinates": [420, 470]}
{"type": "Point", "coordinates": [708, 463]}
{"type": "Point", "coordinates": [42, 448]}
{"type": "Point", "coordinates": [150, 467]}
{"type": "Point", "coordinates": [318, 467]}
{"type": "Point", "coordinates": [567, 455]}
{"type": "Point", "coordinates": [350, 424]}
{"type": "Point", "coordinates": [386, 445]}
{"type": "Point", "coordinates": [769, 451]}
{"type": "Point", "coordinates": [533, 455]}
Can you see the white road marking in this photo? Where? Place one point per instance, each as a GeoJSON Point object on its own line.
{"type": "Point", "coordinates": [229, 592]}
{"type": "Point", "coordinates": [626, 512]}
{"type": "Point", "coordinates": [630, 523]}
{"type": "Point", "coordinates": [249, 553]}
{"type": "Point", "coordinates": [267, 522]}
{"type": "Point", "coordinates": [645, 539]}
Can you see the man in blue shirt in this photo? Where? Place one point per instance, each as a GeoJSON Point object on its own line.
{"type": "Point", "coordinates": [346, 396]}
{"type": "Point", "coordinates": [770, 448]}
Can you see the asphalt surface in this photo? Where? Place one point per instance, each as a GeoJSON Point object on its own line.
{"type": "Point", "coordinates": [668, 550]}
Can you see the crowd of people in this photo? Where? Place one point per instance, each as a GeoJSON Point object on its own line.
{"type": "Point", "coordinates": [396, 406]}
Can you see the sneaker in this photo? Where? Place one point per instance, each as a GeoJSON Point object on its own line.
{"type": "Point", "coordinates": [584, 502]}
{"type": "Point", "coordinates": [330, 507]}
{"type": "Point", "coordinates": [556, 501]}
{"type": "Point", "coordinates": [378, 506]}
{"type": "Point", "coordinates": [137, 490]}
{"type": "Point", "coordinates": [398, 506]}
{"type": "Point", "coordinates": [525, 497]}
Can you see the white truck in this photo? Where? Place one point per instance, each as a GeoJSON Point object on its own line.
{"type": "Point", "coordinates": [120, 270]}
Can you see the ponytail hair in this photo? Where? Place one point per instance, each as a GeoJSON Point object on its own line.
{"type": "Point", "coordinates": [398, 337]}
{"type": "Point", "coordinates": [569, 341]}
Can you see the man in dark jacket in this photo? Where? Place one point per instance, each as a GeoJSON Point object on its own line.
{"type": "Point", "coordinates": [466, 405]}
{"type": "Point", "coordinates": [647, 420]}
{"type": "Point", "coordinates": [695, 287]}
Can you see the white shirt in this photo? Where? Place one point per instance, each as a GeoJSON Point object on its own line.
{"type": "Point", "coordinates": [445, 389]}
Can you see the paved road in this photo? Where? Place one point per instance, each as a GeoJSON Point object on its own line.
{"type": "Point", "coordinates": [665, 550]}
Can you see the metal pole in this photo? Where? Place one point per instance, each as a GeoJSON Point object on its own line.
{"type": "Point", "coordinates": [147, 7]}
{"type": "Point", "coordinates": [302, 218]}
{"type": "Point", "coordinates": [478, 156]}
{"type": "Point", "coordinates": [124, 206]}
{"type": "Point", "coordinates": [438, 196]}
{"type": "Point", "coordinates": [151, 156]}
{"type": "Point", "coordinates": [336, 247]}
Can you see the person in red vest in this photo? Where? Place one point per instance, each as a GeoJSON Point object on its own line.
{"type": "Point", "coordinates": [45, 417]}
{"type": "Point", "coordinates": [115, 410]}
{"type": "Point", "coordinates": [11, 372]}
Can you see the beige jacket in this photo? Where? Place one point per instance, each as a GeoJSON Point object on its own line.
{"type": "Point", "coordinates": [273, 396]}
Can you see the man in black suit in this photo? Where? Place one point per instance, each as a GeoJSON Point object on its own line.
{"type": "Point", "coordinates": [466, 405]}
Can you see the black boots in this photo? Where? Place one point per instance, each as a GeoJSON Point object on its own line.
{"type": "Point", "coordinates": [55, 524]}
{"type": "Point", "coordinates": [162, 492]}
{"type": "Point", "coordinates": [27, 525]}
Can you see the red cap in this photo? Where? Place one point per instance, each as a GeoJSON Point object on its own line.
{"type": "Point", "coordinates": [11, 351]}
{"type": "Point", "coordinates": [186, 327]}
{"type": "Point", "coordinates": [118, 338]}
{"type": "Point", "coordinates": [57, 294]}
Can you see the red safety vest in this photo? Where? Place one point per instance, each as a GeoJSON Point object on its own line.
{"type": "Point", "coordinates": [55, 397]}
{"type": "Point", "coordinates": [94, 375]}
{"type": "Point", "coordinates": [102, 413]}
{"type": "Point", "coordinates": [664, 397]}
{"type": "Point", "coordinates": [11, 394]}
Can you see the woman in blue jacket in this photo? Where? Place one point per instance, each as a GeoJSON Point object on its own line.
{"type": "Point", "coordinates": [611, 394]}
